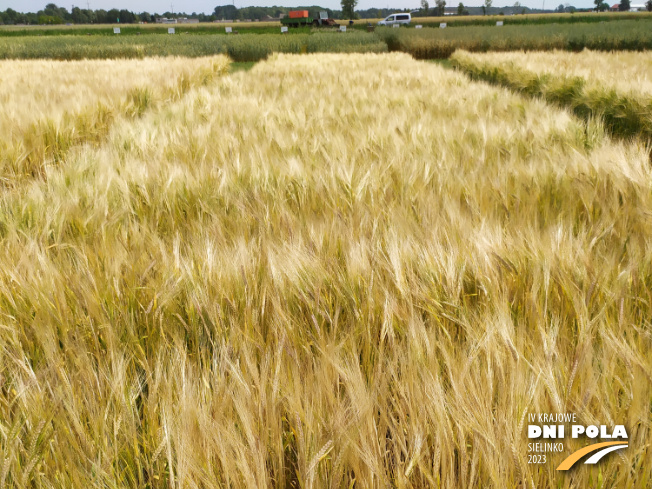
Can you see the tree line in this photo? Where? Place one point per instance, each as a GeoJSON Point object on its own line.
{"type": "Point", "coordinates": [52, 14]}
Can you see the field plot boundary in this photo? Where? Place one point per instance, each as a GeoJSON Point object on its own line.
{"type": "Point", "coordinates": [624, 115]}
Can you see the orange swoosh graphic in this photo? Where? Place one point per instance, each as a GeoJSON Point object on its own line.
{"type": "Point", "coordinates": [575, 456]}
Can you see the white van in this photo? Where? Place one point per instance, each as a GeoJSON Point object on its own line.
{"type": "Point", "coordinates": [396, 19]}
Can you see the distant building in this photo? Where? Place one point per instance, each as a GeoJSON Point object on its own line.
{"type": "Point", "coordinates": [184, 20]}
{"type": "Point", "coordinates": [165, 20]}
{"type": "Point", "coordinates": [634, 7]}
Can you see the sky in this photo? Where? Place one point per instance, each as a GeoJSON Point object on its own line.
{"type": "Point", "coordinates": [207, 6]}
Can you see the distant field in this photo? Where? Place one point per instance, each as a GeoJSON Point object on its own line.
{"type": "Point", "coordinates": [426, 43]}
{"type": "Point", "coordinates": [632, 35]}
{"type": "Point", "coordinates": [237, 47]}
{"type": "Point", "coordinates": [469, 20]}
{"type": "Point", "coordinates": [331, 270]}
{"type": "Point", "coordinates": [274, 27]}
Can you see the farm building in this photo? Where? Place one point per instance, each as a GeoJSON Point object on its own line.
{"type": "Point", "coordinates": [634, 7]}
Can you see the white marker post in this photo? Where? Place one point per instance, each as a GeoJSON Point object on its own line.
{"type": "Point", "coordinates": [342, 28]}
{"type": "Point", "coordinates": [170, 30]}
{"type": "Point", "coordinates": [284, 29]}
{"type": "Point", "coordinates": [396, 26]}
{"type": "Point", "coordinates": [442, 25]}
{"type": "Point", "coordinates": [418, 26]}
{"type": "Point", "coordinates": [228, 30]}
{"type": "Point", "coordinates": [116, 30]}
{"type": "Point", "coordinates": [499, 23]}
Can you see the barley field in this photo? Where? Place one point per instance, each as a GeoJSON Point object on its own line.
{"type": "Point", "coordinates": [614, 87]}
{"type": "Point", "coordinates": [49, 106]}
{"type": "Point", "coordinates": [626, 72]}
{"type": "Point", "coordinates": [323, 272]}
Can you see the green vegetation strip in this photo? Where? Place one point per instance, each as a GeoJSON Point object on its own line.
{"type": "Point", "coordinates": [427, 43]}
{"type": "Point", "coordinates": [237, 47]}
{"type": "Point", "coordinates": [630, 35]}
{"type": "Point", "coordinates": [623, 115]}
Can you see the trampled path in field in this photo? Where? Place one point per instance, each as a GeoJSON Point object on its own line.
{"type": "Point", "coordinates": [327, 271]}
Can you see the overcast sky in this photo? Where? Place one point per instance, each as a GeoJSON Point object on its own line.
{"type": "Point", "coordinates": [207, 6]}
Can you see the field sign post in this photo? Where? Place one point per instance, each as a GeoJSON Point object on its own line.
{"type": "Point", "coordinates": [418, 26]}
{"type": "Point", "coordinates": [342, 28]}
{"type": "Point", "coordinates": [116, 30]}
{"type": "Point", "coordinates": [442, 25]}
{"type": "Point", "coordinates": [396, 26]}
{"type": "Point", "coordinates": [499, 23]}
{"type": "Point", "coordinates": [284, 29]}
{"type": "Point", "coordinates": [170, 30]}
{"type": "Point", "coordinates": [228, 30]}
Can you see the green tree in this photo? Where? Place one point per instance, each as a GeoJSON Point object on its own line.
{"type": "Point", "coordinates": [486, 6]}
{"type": "Point", "coordinates": [113, 16]}
{"type": "Point", "coordinates": [348, 8]}
{"type": "Point", "coordinates": [441, 5]}
{"type": "Point", "coordinates": [460, 8]}
{"type": "Point", "coordinates": [228, 12]}
{"type": "Point", "coordinates": [624, 5]}
{"type": "Point", "coordinates": [425, 7]}
{"type": "Point", "coordinates": [648, 5]}
{"type": "Point", "coordinates": [78, 16]}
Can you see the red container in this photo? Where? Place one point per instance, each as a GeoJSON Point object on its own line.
{"type": "Point", "coordinates": [298, 14]}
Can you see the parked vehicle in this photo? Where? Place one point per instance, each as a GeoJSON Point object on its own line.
{"type": "Point", "coordinates": [396, 19]}
{"type": "Point", "coordinates": [296, 18]}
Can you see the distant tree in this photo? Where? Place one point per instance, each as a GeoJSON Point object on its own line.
{"type": "Point", "coordinates": [648, 5]}
{"type": "Point", "coordinates": [624, 5]}
{"type": "Point", "coordinates": [460, 8]}
{"type": "Point", "coordinates": [79, 17]}
{"type": "Point", "coordinates": [486, 6]}
{"type": "Point", "coordinates": [228, 12]}
{"type": "Point", "coordinates": [560, 9]}
{"type": "Point", "coordinates": [425, 7]}
{"type": "Point", "coordinates": [113, 16]}
{"type": "Point", "coordinates": [49, 19]}
{"type": "Point", "coordinates": [348, 8]}
{"type": "Point", "coordinates": [601, 5]}
{"type": "Point", "coordinates": [441, 6]}
{"type": "Point", "coordinates": [51, 10]}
